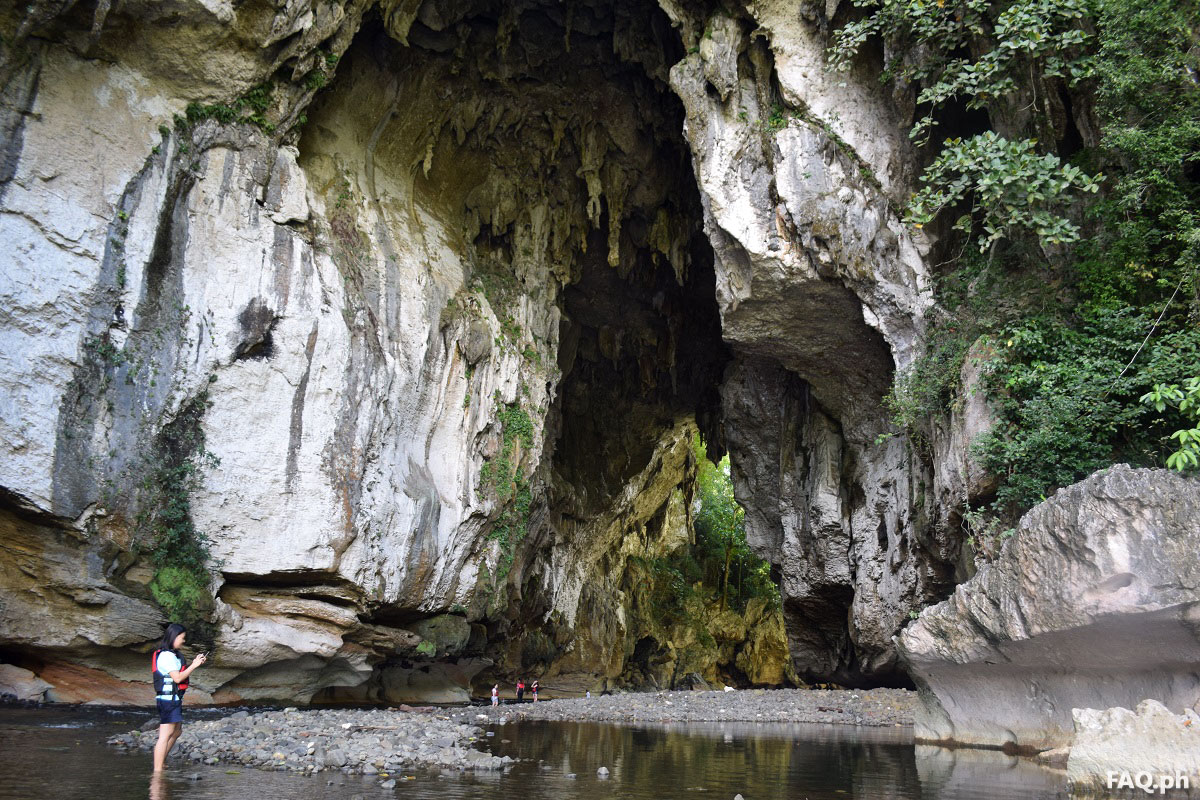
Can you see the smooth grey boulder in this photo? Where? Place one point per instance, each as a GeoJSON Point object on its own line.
{"type": "Point", "coordinates": [1092, 604]}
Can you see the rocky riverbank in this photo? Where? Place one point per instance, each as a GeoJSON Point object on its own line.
{"type": "Point", "coordinates": [389, 742]}
{"type": "Point", "coordinates": [383, 742]}
{"type": "Point", "coordinates": [877, 707]}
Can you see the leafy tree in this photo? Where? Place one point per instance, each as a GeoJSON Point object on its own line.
{"type": "Point", "coordinates": [1186, 398]}
{"type": "Point", "coordinates": [993, 57]}
{"type": "Point", "coordinates": [721, 545]}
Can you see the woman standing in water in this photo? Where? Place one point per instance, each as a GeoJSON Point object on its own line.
{"type": "Point", "coordinates": [170, 682]}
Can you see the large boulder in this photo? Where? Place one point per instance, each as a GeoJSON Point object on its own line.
{"type": "Point", "coordinates": [1091, 604]}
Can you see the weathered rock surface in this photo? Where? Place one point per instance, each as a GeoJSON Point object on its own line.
{"type": "Point", "coordinates": [1091, 604]}
{"type": "Point", "coordinates": [449, 306]}
{"type": "Point", "coordinates": [1150, 740]}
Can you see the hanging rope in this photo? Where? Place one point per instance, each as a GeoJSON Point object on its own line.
{"type": "Point", "coordinates": [1153, 328]}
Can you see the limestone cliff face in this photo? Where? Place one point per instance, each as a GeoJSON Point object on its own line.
{"type": "Point", "coordinates": [448, 303]}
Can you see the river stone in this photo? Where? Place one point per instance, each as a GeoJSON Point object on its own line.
{"type": "Point", "coordinates": [1150, 739]}
{"type": "Point", "coordinates": [1102, 577]}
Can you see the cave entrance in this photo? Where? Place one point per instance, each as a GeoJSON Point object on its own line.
{"type": "Point", "coordinates": [534, 153]}
{"type": "Point", "coordinates": [533, 156]}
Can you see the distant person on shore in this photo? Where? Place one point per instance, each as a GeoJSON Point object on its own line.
{"type": "Point", "coordinates": [534, 688]}
{"type": "Point", "coordinates": [520, 689]}
{"type": "Point", "coordinates": [496, 695]}
{"type": "Point", "coordinates": [170, 682]}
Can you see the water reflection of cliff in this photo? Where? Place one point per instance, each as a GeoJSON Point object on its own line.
{"type": "Point", "coordinates": [59, 754]}
{"type": "Point", "coordinates": [762, 763]}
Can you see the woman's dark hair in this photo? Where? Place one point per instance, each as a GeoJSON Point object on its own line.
{"type": "Point", "coordinates": [168, 640]}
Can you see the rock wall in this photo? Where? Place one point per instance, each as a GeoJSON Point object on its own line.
{"type": "Point", "coordinates": [447, 287]}
{"type": "Point", "coordinates": [1091, 603]}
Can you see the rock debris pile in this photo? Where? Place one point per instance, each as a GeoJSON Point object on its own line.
{"type": "Point", "coordinates": [378, 742]}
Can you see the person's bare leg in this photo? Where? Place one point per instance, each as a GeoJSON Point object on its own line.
{"type": "Point", "coordinates": [167, 734]}
{"type": "Point", "coordinates": [174, 737]}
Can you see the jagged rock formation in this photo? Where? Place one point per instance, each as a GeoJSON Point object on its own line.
{"type": "Point", "coordinates": [447, 288]}
{"type": "Point", "coordinates": [1090, 604]}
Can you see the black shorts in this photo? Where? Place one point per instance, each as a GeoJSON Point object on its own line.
{"type": "Point", "coordinates": [169, 711]}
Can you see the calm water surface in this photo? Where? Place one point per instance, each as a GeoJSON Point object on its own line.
{"type": "Point", "coordinates": [47, 754]}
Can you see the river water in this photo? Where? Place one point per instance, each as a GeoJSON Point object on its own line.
{"type": "Point", "coordinates": [60, 754]}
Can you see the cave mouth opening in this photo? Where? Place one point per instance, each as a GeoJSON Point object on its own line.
{"type": "Point", "coordinates": [544, 144]}
{"type": "Point", "coordinates": [551, 134]}
{"type": "Point", "coordinates": [540, 144]}
{"type": "Point", "coordinates": [543, 147]}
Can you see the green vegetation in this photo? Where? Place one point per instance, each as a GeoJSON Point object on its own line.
{"type": "Point", "coordinates": [426, 648]}
{"type": "Point", "coordinates": [498, 285]}
{"type": "Point", "coordinates": [721, 549]}
{"type": "Point", "coordinates": [1012, 187]}
{"type": "Point", "coordinates": [719, 567]}
{"type": "Point", "coordinates": [250, 108]}
{"type": "Point", "coordinates": [182, 593]}
{"type": "Point", "coordinates": [501, 477]}
{"type": "Point", "coordinates": [931, 385]}
{"type": "Point", "coordinates": [102, 349]}
{"type": "Point", "coordinates": [1021, 45]}
{"type": "Point", "coordinates": [1087, 351]}
{"type": "Point", "coordinates": [318, 76]}
{"type": "Point", "coordinates": [179, 552]}
{"type": "Point", "coordinates": [351, 247]}
{"type": "Point", "coordinates": [778, 119]}
{"type": "Point", "coordinates": [1185, 398]}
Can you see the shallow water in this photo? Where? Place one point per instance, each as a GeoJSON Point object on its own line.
{"type": "Point", "coordinates": [60, 753]}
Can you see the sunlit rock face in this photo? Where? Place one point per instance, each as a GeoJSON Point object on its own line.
{"type": "Point", "coordinates": [1090, 604]}
{"type": "Point", "coordinates": [449, 317]}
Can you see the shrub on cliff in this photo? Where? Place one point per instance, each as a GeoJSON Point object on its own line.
{"type": "Point", "coordinates": [1021, 102]}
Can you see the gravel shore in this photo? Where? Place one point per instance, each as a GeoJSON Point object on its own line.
{"type": "Point", "coordinates": [877, 707]}
{"type": "Point", "coordinates": [383, 742]}
{"type": "Point", "coordinates": [389, 742]}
